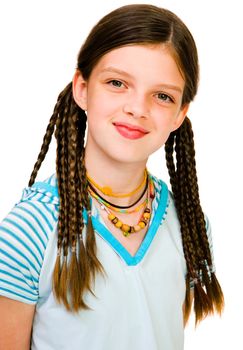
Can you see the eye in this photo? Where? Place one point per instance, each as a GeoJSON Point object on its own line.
{"type": "Point", "coordinates": [115, 83]}
{"type": "Point", "coordinates": [164, 97]}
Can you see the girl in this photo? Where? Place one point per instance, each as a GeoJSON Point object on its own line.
{"type": "Point", "coordinates": [101, 255]}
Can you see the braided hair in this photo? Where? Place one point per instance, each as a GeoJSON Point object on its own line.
{"type": "Point", "coordinates": [183, 178]}
{"type": "Point", "coordinates": [69, 122]}
{"type": "Point", "coordinates": [77, 262]}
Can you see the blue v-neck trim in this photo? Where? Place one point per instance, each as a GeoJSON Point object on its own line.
{"type": "Point", "coordinates": [130, 260]}
{"type": "Point", "coordinates": [118, 247]}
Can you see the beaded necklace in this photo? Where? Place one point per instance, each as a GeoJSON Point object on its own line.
{"type": "Point", "coordinates": [125, 228]}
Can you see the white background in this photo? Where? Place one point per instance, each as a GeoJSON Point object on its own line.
{"type": "Point", "coordinates": [39, 42]}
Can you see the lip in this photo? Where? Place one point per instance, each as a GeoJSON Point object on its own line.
{"type": "Point", "coordinates": [130, 131]}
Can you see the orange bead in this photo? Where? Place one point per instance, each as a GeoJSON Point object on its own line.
{"type": "Point", "coordinates": [147, 215]}
{"type": "Point", "coordinates": [125, 228]}
{"type": "Point", "coordinates": [137, 228]}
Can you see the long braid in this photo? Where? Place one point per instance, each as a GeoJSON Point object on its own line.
{"type": "Point", "coordinates": [186, 161]}
{"type": "Point", "coordinates": [89, 261]}
{"type": "Point", "coordinates": [85, 277]}
{"type": "Point", "coordinates": [47, 138]}
{"type": "Point", "coordinates": [190, 242]}
{"type": "Point", "coordinates": [91, 249]}
{"type": "Point", "coordinates": [208, 296]}
{"type": "Point", "coordinates": [60, 271]}
{"type": "Point", "coordinates": [74, 270]}
{"type": "Point", "coordinates": [62, 179]}
{"type": "Point", "coordinates": [72, 275]}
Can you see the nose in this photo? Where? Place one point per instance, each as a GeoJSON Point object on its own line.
{"type": "Point", "coordinates": [136, 106]}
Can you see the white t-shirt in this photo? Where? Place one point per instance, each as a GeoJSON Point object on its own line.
{"type": "Point", "coordinates": [136, 305]}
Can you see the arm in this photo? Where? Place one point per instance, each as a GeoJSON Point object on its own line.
{"type": "Point", "coordinates": [15, 324]}
{"type": "Point", "coordinates": [24, 235]}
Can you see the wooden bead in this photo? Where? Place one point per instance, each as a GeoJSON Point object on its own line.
{"type": "Point", "coordinates": [125, 233]}
{"type": "Point", "coordinates": [125, 228]}
{"type": "Point", "coordinates": [111, 216]}
{"type": "Point", "coordinates": [146, 215]}
{"type": "Point", "coordinates": [119, 224]}
{"type": "Point", "coordinates": [137, 228]}
{"type": "Point", "coordinates": [115, 220]}
{"type": "Point", "coordinates": [142, 224]}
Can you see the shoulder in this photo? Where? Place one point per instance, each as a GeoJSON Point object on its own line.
{"type": "Point", "coordinates": [43, 191]}
{"type": "Point", "coordinates": [24, 235]}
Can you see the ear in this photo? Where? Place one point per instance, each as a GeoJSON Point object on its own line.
{"type": "Point", "coordinates": [80, 90]}
{"type": "Point", "coordinates": [181, 116]}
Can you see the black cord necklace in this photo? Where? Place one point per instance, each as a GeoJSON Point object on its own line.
{"type": "Point", "coordinates": [119, 206]}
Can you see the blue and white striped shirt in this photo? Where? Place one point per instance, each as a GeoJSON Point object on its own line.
{"type": "Point", "coordinates": [24, 236]}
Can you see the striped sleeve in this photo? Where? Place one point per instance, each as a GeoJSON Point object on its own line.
{"type": "Point", "coordinates": [24, 235]}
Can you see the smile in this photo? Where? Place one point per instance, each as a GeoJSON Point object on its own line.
{"type": "Point", "coordinates": [129, 131]}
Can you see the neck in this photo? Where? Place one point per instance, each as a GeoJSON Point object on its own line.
{"type": "Point", "coordinates": [120, 177]}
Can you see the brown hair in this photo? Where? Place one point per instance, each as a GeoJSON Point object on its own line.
{"type": "Point", "coordinates": [132, 24]}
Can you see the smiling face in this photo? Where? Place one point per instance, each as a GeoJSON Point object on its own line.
{"type": "Point", "coordinates": [133, 102]}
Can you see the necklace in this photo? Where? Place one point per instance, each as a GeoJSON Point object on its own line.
{"type": "Point", "coordinates": [128, 229]}
{"type": "Point", "coordinates": [116, 208]}
{"type": "Point", "coordinates": [97, 196]}
{"type": "Point", "coordinates": [106, 190]}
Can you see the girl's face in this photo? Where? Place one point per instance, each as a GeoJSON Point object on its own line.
{"type": "Point", "coordinates": [133, 101]}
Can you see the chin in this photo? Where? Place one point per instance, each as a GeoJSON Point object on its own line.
{"type": "Point", "coordinates": [129, 156]}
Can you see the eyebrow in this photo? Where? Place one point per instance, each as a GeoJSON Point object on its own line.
{"type": "Point", "coordinates": [122, 72]}
{"type": "Point", "coordinates": [115, 70]}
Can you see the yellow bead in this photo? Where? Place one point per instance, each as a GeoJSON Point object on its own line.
{"type": "Point", "coordinates": [111, 216]}
{"type": "Point", "coordinates": [125, 228]}
{"type": "Point", "coordinates": [137, 228]}
{"type": "Point", "coordinates": [147, 215]}
{"type": "Point", "coordinates": [119, 224]}
{"type": "Point", "coordinates": [141, 224]}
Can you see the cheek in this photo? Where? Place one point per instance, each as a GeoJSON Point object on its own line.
{"type": "Point", "coordinates": [164, 127]}
{"type": "Point", "coordinates": [165, 122]}
{"type": "Point", "coordinates": [100, 107]}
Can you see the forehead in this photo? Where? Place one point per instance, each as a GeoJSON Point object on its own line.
{"type": "Point", "coordinates": [156, 61]}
